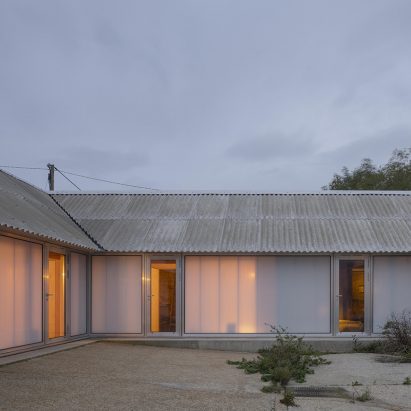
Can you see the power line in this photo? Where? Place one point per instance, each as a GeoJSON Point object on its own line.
{"type": "Point", "coordinates": [111, 182]}
{"type": "Point", "coordinates": [83, 176]}
{"type": "Point", "coordinates": [26, 168]}
{"type": "Point", "coordinates": [68, 179]}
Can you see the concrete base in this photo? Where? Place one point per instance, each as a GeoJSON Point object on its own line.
{"type": "Point", "coordinates": [39, 352]}
{"type": "Point", "coordinates": [331, 345]}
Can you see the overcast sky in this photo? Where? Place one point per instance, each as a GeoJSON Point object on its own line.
{"type": "Point", "coordinates": [212, 94]}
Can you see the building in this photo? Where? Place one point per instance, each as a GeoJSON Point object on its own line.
{"type": "Point", "coordinates": [206, 269]}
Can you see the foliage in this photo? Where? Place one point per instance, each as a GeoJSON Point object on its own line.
{"type": "Point", "coordinates": [371, 347]}
{"type": "Point", "coordinates": [365, 396]}
{"type": "Point", "coordinates": [288, 399]}
{"type": "Point", "coordinates": [397, 332]}
{"type": "Point", "coordinates": [288, 359]}
{"type": "Point", "coordinates": [407, 381]}
{"type": "Point", "coordinates": [397, 341]}
{"type": "Point", "coordinates": [395, 175]}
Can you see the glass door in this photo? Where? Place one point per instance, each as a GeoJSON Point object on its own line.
{"type": "Point", "coordinates": [163, 297]}
{"type": "Point", "coordinates": [56, 296]}
{"type": "Point", "coordinates": [351, 295]}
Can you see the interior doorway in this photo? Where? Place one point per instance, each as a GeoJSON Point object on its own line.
{"type": "Point", "coordinates": [56, 296]}
{"type": "Point", "coordinates": [351, 295]}
{"type": "Point", "coordinates": [163, 296]}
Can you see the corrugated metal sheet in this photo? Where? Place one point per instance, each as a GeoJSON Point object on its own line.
{"type": "Point", "coordinates": [250, 223]}
{"type": "Point", "coordinates": [30, 210]}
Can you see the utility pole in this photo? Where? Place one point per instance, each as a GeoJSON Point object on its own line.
{"type": "Point", "coordinates": [51, 176]}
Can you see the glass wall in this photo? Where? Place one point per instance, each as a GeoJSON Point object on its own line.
{"type": "Point", "coordinates": [20, 292]}
{"type": "Point", "coordinates": [225, 294]}
{"type": "Point", "coordinates": [116, 294]}
{"type": "Point", "coordinates": [392, 288]}
{"type": "Point", "coordinates": [78, 294]}
{"type": "Point", "coordinates": [163, 296]}
{"type": "Point", "coordinates": [351, 296]}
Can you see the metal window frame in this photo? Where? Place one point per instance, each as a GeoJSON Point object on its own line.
{"type": "Point", "coordinates": [149, 258]}
{"type": "Point", "coordinates": [366, 258]}
{"type": "Point", "coordinates": [70, 252]}
{"type": "Point", "coordinates": [67, 295]}
{"type": "Point", "coordinates": [90, 332]}
{"type": "Point", "coordinates": [267, 334]}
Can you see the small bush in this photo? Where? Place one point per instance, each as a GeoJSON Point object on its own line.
{"type": "Point", "coordinates": [406, 357]}
{"type": "Point", "coordinates": [365, 396]}
{"type": "Point", "coordinates": [371, 347]}
{"type": "Point", "coordinates": [397, 333]}
{"type": "Point", "coordinates": [407, 381]}
{"type": "Point", "coordinates": [288, 399]}
{"type": "Point", "coordinates": [396, 341]}
{"type": "Point", "coordinates": [288, 359]}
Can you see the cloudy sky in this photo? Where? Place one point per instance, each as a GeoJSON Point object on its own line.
{"type": "Point", "coordinates": [203, 94]}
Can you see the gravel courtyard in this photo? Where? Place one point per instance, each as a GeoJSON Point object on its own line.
{"type": "Point", "coordinates": [121, 376]}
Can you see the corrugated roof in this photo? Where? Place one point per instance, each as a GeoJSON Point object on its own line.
{"type": "Point", "coordinates": [26, 208]}
{"type": "Point", "coordinates": [363, 222]}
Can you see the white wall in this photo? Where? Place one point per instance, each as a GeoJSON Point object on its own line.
{"type": "Point", "coordinates": [78, 294]}
{"type": "Point", "coordinates": [116, 294]}
{"type": "Point", "coordinates": [20, 292]}
{"type": "Point", "coordinates": [392, 288]}
{"type": "Point", "coordinates": [242, 294]}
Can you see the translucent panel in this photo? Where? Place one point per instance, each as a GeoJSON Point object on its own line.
{"type": "Point", "coordinates": [351, 296]}
{"type": "Point", "coordinates": [163, 296]}
{"type": "Point", "coordinates": [246, 294]}
{"type": "Point", "coordinates": [20, 292]}
{"type": "Point", "coordinates": [78, 294]}
{"type": "Point", "coordinates": [116, 294]}
{"type": "Point", "coordinates": [392, 288]}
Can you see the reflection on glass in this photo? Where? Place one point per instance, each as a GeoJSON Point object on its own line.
{"type": "Point", "coordinates": [351, 296]}
{"type": "Point", "coordinates": [56, 296]}
{"type": "Point", "coordinates": [163, 296]}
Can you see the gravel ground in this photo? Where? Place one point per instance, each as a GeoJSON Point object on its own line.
{"type": "Point", "coordinates": [105, 376]}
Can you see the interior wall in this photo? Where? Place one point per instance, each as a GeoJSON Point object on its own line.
{"type": "Point", "coordinates": [246, 294]}
{"type": "Point", "coordinates": [56, 295]}
{"type": "Point", "coordinates": [78, 294]}
{"type": "Point", "coordinates": [392, 288]}
{"type": "Point", "coordinates": [20, 292]}
{"type": "Point", "coordinates": [116, 294]}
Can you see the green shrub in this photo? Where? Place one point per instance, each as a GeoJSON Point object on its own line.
{"type": "Point", "coordinates": [396, 341]}
{"type": "Point", "coordinates": [365, 396]}
{"type": "Point", "coordinates": [290, 358]}
{"type": "Point", "coordinates": [397, 333]}
{"type": "Point", "coordinates": [371, 347]}
{"type": "Point", "coordinates": [288, 399]}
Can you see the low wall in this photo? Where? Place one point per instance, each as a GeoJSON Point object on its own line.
{"type": "Point", "coordinates": [331, 345]}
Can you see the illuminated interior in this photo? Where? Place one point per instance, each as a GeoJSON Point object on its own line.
{"type": "Point", "coordinates": [247, 294]}
{"type": "Point", "coordinates": [351, 296]}
{"type": "Point", "coordinates": [20, 292]}
{"type": "Point", "coordinates": [163, 296]}
{"type": "Point", "coordinates": [56, 296]}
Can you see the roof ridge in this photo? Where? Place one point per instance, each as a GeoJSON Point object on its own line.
{"type": "Point", "coordinates": [77, 224]}
{"type": "Point", "coordinates": [388, 193]}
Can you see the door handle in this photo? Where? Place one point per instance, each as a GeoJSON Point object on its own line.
{"type": "Point", "coordinates": [49, 295]}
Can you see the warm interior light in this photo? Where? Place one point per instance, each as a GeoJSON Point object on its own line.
{"type": "Point", "coordinates": [56, 295]}
{"type": "Point", "coordinates": [163, 296]}
{"type": "Point", "coordinates": [351, 296]}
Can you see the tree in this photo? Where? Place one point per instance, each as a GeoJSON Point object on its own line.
{"type": "Point", "coordinates": [395, 175]}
